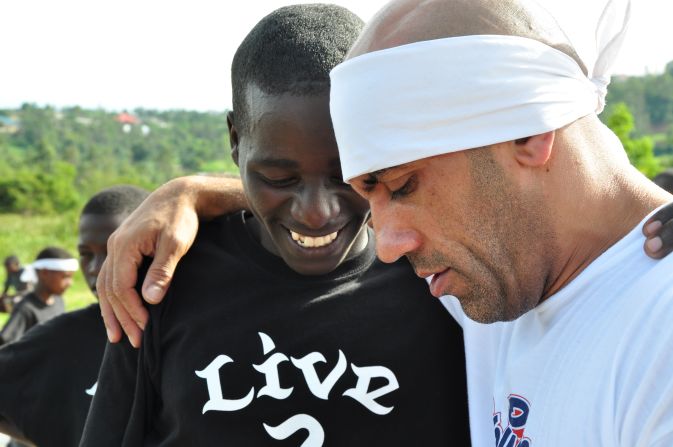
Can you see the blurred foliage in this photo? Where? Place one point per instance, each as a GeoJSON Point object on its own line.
{"type": "Point", "coordinates": [650, 101]}
{"type": "Point", "coordinates": [58, 158]}
{"type": "Point", "coordinates": [640, 150]}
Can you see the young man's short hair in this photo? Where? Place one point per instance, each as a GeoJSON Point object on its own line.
{"type": "Point", "coordinates": [292, 50]}
{"type": "Point", "coordinates": [116, 200]}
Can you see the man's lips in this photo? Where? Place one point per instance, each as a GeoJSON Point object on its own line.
{"type": "Point", "coordinates": [439, 281]}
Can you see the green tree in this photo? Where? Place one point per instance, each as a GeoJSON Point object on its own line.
{"type": "Point", "coordinates": [639, 150]}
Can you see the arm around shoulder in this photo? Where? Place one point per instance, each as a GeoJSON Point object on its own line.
{"type": "Point", "coordinates": [162, 227]}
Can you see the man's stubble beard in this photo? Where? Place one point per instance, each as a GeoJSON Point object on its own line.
{"type": "Point", "coordinates": [514, 249]}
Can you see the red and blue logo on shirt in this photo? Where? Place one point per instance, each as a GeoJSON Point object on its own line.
{"type": "Point", "coordinates": [513, 435]}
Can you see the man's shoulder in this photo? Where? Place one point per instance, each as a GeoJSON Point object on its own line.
{"type": "Point", "coordinates": [221, 227]}
{"type": "Point", "coordinates": [216, 239]}
{"type": "Point", "coordinates": [85, 319]}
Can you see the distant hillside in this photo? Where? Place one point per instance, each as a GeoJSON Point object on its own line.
{"type": "Point", "coordinates": [53, 159]}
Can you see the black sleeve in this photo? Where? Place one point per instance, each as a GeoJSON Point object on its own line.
{"type": "Point", "coordinates": [19, 322]}
{"type": "Point", "coordinates": [119, 411]}
{"type": "Point", "coordinates": [114, 405]}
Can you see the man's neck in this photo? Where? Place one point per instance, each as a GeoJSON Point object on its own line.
{"type": "Point", "coordinates": [44, 295]}
{"type": "Point", "coordinates": [588, 227]}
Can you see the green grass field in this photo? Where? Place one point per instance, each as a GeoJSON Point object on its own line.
{"type": "Point", "coordinates": [25, 236]}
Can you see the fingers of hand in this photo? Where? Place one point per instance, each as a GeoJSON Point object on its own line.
{"type": "Point", "coordinates": [660, 243]}
{"type": "Point", "coordinates": [169, 250]}
{"type": "Point", "coordinates": [127, 322]}
{"type": "Point", "coordinates": [658, 220]}
{"type": "Point", "coordinates": [112, 327]}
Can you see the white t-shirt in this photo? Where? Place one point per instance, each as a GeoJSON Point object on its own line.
{"type": "Point", "coordinates": [590, 366]}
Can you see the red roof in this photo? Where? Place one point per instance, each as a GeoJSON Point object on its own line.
{"type": "Point", "coordinates": [127, 118]}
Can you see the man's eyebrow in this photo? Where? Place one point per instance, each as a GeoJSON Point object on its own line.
{"type": "Point", "coordinates": [373, 177]}
{"type": "Point", "coordinates": [275, 163]}
{"type": "Point", "coordinates": [379, 173]}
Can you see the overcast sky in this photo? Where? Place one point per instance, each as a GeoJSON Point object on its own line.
{"type": "Point", "coordinates": [176, 53]}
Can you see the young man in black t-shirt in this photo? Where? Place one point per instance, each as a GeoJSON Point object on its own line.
{"type": "Point", "coordinates": [47, 378]}
{"type": "Point", "coordinates": [281, 327]}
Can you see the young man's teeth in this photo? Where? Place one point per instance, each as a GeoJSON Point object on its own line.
{"type": "Point", "coordinates": [313, 242]}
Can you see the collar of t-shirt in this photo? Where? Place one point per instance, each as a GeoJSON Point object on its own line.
{"type": "Point", "coordinates": [37, 302]}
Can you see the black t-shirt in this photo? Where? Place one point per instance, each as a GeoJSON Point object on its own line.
{"type": "Point", "coordinates": [47, 378]}
{"type": "Point", "coordinates": [244, 351]}
{"type": "Point", "coordinates": [30, 311]}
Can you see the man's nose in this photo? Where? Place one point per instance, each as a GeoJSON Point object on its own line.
{"type": "Point", "coordinates": [394, 235]}
{"type": "Point", "coordinates": [315, 206]}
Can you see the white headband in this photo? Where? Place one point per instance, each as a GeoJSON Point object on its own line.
{"type": "Point", "coordinates": [59, 265]}
{"type": "Point", "coordinates": [428, 98]}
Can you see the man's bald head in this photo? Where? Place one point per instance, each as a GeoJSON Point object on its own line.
{"type": "Point", "coordinates": [402, 22]}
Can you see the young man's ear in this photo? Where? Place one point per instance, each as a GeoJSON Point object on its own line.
{"type": "Point", "coordinates": [233, 136]}
{"type": "Point", "coordinates": [534, 151]}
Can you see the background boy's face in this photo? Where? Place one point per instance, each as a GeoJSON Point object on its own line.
{"type": "Point", "coordinates": [12, 266]}
{"type": "Point", "coordinates": [291, 174]}
{"type": "Point", "coordinates": [55, 282]}
{"type": "Point", "coordinates": [94, 231]}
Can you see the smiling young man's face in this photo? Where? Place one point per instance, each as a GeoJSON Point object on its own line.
{"type": "Point", "coordinates": [290, 169]}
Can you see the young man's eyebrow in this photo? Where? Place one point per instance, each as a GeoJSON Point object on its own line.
{"type": "Point", "coordinates": [275, 163]}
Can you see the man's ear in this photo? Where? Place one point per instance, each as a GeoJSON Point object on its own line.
{"type": "Point", "coordinates": [534, 151]}
{"type": "Point", "coordinates": [233, 136]}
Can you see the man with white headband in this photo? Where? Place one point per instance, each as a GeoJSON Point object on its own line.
{"type": "Point", "coordinates": [471, 128]}
{"type": "Point", "coordinates": [53, 269]}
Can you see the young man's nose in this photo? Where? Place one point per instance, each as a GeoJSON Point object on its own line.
{"type": "Point", "coordinates": [315, 207]}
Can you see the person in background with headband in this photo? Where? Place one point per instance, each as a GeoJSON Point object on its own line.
{"type": "Point", "coordinates": [504, 190]}
{"type": "Point", "coordinates": [53, 270]}
{"type": "Point", "coordinates": [61, 358]}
